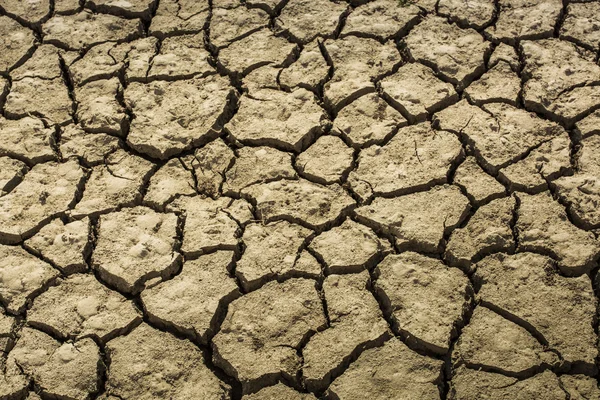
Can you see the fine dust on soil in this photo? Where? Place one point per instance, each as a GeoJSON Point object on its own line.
{"type": "Point", "coordinates": [299, 199]}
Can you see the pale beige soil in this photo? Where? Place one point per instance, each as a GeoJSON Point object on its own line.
{"type": "Point", "coordinates": [299, 199]}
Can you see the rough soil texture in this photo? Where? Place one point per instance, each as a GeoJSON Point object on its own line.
{"type": "Point", "coordinates": [299, 199]}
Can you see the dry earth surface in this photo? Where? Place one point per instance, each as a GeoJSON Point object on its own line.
{"type": "Point", "coordinates": [299, 199]}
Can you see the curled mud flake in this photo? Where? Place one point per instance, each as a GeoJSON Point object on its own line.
{"type": "Point", "coordinates": [135, 245]}
{"type": "Point", "coordinates": [559, 311]}
{"type": "Point", "coordinates": [141, 361]}
{"type": "Point", "coordinates": [263, 330]}
{"type": "Point", "coordinates": [381, 19]}
{"type": "Point", "coordinates": [326, 160]}
{"type": "Point", "coordinates": [307, 19]}
{"type": "Point", "coordinates": [468, 13]}
{"type": "Point", "coordinates": [525, 19]}
{"type": "Point", "coordinates": [80, 306]}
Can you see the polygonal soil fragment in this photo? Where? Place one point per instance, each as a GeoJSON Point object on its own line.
{"type": "Point", "coordinates": [367, 120]}
{"type": "Point", "coordinates": [275, 118]}
{"type": "Point", "coordinates": [543, 226]}
{"type": "Point", "coordinates": [499, 85]}
{"type": "Point", "coordinates": [44, 63]}
{"type": "Point", "coordinates": [278, 392]}
{"type": "Point", "coordinates": [46, 191]}
{"type": "Point", "coordinates": [425, 299]}
{"type": "Point", "coordinates": [348, 248]}
{"type": "Point", "coordinates": [253, 51]}
{"type": "Point", "coordinates": [270, 252]}
{"type": "Point", "coordinates": [306, 19]}
{"type": "Point", "coordinates": [301, 201]}
{"type": "Point", "coordinates": [22, 276]}
{"type": "Point", "coordinates": [416, 92]}
{"type": "Point", "coordinates": [488, 231]}
{"type": "Point", "coordinates": [326, 160]}
{"type": "Point", "coordinates": [6, 328]}
{"type": "Point", "coordinates": [81, 306]}
{"type": "Point", "coordinates": [357, 62]}
{"type": "Point", "coordinates": [143, 360]}
{"type": "Point", "coordinates": [388, 372]}
{"type": "Point", "coordinates": [134, 245]}
{"type": "Point", "coordinates": [13, 384]}
{"type": "Point", "coordinates": [417, 221]}
{"type": "Point", "coordinates": [82, 30]}
{"type": "Point", "coordinates": [480, 187]}
{"type": "Point", "coordinates": [192, 301]}
{"type": "Point", "coordinates": [582, 190]}
{"type": "Point", "coordinates": [172, 180]}
{"type": "Point", "coordinates": [356, 324]}
{"type": "Point", "coordinates": [102, 61]}
{"type": "Point", "coordinates": [503, 135]}
{"type": "Point", "coordinates": [210, 164]}
{"type": "Point", "coordinates": [260, 336]}
{"type": "Point", "coordinates": [581, 25]}
{"type": "Point", "coordinates": [469, 384]}
{"type": "Point", "coordinates": [65, 245]}
{"type": "Point", "coordinates": [255, 165]}
{"type": "Point", "coordinates": [308, 71]}
{"type": "Point", "coordinates": [580, 387]}
{"type": "Point", "coordinates": [16, 42]}
{"type": "Point", "coordinates": [391, 20]}
{"type": "Point", "coordinates": [560, 311]}
{"type": "Point", "coordinates": [506, 53]}
{"type": "Point", "coordinates": [179, 16]}
{"type": "Point", "coordinates": [261, 78]}
{"type": "Point", "coordinates": [590, 125]}
{"type": "Point", "coordinates": [98, 110]}
{"type": "Point", "coordinates": [66, 6]}
{"type": "Point", "coordinates": [11, 174]}
{"type": "Point", "coordinates": [62, 370]}
{"type": "Point", "coordinates": [493, 343]}
{"type": "Point", "coordinates": [91, 148]}
{"type": "Point", "coordinates": [208, 225]}
{"type": "Point", "coordinates": [128, 8]}
{"type": "Point", "coordinates": [31, 12]}
{"type": "Point", "coordinates": [229, 25]}
{"type": "Point", "coordinates": [525, 19]}
{"type": "Point", "coordinates": [457, 54]}
{"type": "Point", "coordinates": [174, 116]}
{"type": "Point", "coordinates": [468, 13]}
{"type": "Point", "coordinates": [116, 183]}
{"type": "Point", "coordinates": [180, 57]}
{"type": "Point", "coordinates": [562, 80]}
{"type": "Point", "coordinates": [417, 157]}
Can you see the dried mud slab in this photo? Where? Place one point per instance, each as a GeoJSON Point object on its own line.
{"type": "Point", "coordinates": [179, 16]}
{"type": "Point", "coordinates": [357, 63]}
{"type": "Point", "coordinates": [116, 183]}
{"type": "Point", "coordinates": [80, 306]}
{"type": "Point", "coordinates": [85, 29]}
{"type": "Point", "coordinates": [525, 19]}
{"type": "Point", "coordinates": [589, 125]}
{"type": "Point", "coordinates": [487, 231]}
{"type": "Point", "coordinates": [562, 80]}
{"type": "Point", "coordinates": [30, 12]}
{"type": "Point", "coordinates": [11, 174]}
{"type": "Point", "coordinates": [61, 370]}
{"type": "Point", "coordinates": [425, 299]}
{"type": "Point", "coordinates": [580, 386]}
{"type": "Point", "coordinates": [210, 164]}
{"type": "Point", "coordinates": [458, 55]}
{"type": "Point", "coordinates": [180, 57]}
{"type": "Point", "coordinates": [141, 361]}
{"type": "Point", "coordinates": [256, 165]}
{"type": "Point", "coordinates": [416, 92]}
{"type": "Point", "coordinates": [506, 53]}
{"type": "Point", "coordinates": [468, 13]}
{"type": "Point", "coordinates": [192, 301]}
{"type": "Point", "coordinates": [390, 371]}
{"type": "Point", "coordinates": [22, 277]}
{"type": "Point", "coordinates": [308, 71]}
{"type": "Point", "coordinates": [98, 110]}
{"type": "Point", "coordinates": [270, 252]}
{"type": "Point", "coordinates": [12, 382]}
{"type": "Point", "coordinates": [287, 121]}
{"type": "Point", "coordinates": [170, 181]}
{"type": "Point", "coordinates": [582, 190]}
{"type": "Point", "coordinates": [326, 161]}
{"type": "Point", "coordinates": [299, 201]}
{"type": "Point", "coordinates": [174, 116]}
{"type": "Point", "coordinates": [128, 9]}
{"type": "Point", "coordinates": [277, 392]}
{"type": "Point", "coordinates": [91, 148]}
{"type": "Point", "coordinates": [356, 324]}
{"type": "Point", "coordinates": [581, 25]}
{"type": "Point", "coordinates": [262, 331]}
{"type": "Point", "coordinates": [17, 41]}
{"type": "Point", "coordinates": [391, 20]}
{"type": "Point", "coordinates": [479, 186]}
{"type": "Point", "coordinates": [495, 344]}
{"type": "Point", "coordinates": [367, 120]}
{"type": "Point", "coordinates": [417, 157]}
{"type": "Point", "coordinates": [66, 245]}
{"type": "Point", "coordinates": [543, 226]}
{"type": "Point", "coordinates": [498, 85]}
{"type": "Point", "coordinates": [349, 248]}
{"type": "Point", "coordinates": [559, 311]}
{"type": "Point", "coordinates": [230, 24]}
{"type": "Point", "coordinates": [133, 246]}
{"type": "Point", "coordinates": [305, 20]}
{"type": "Point", "coordinates": [256, 50]}
{"type": "Point", "coordinates": [47, 191]}
{"type": "Point", "coordinates": [417, 221]}
{"type": "Point", "coordinates": [259, 79]}
{"type": "Point", "coordinates": [7, 324]}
